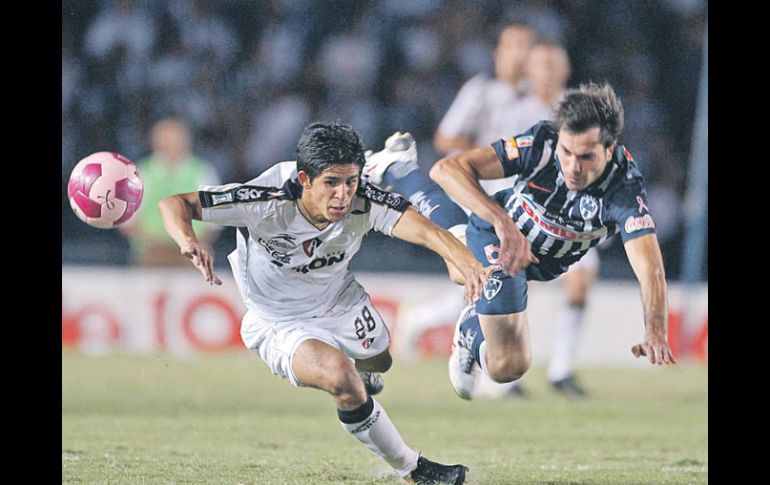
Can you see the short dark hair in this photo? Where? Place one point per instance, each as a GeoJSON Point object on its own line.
{"type": "Point", "coordinates": [591, 105]}
{"type": "Point", "coordinates": [325, 144]}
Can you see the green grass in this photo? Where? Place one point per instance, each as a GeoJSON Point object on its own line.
{"type": "Point", "coordinates": [224, 419]}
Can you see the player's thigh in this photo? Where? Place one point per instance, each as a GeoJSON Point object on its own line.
{"type": "Point", "coordinates": [507, 336]}
{"type": "Point", "coordinates": [580, 276]}
{"type": "Point", "coordinates": [277, 345]}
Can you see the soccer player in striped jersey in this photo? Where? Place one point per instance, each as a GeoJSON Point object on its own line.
{"type": "Point", "coordinates": [575, 186]}
{"type": "Point", "coordinates": [299, 224]}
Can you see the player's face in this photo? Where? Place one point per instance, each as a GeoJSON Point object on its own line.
{"type": "Point", "coordinates": [511, 53]}
{"type": "Point", "coordinates": [582, 157]}
{"type": "Point", "coordinates": [329, 196]}
{"type": "Point", "coordinates": [548, 67]}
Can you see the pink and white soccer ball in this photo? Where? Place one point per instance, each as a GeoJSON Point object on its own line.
{"type": "Point", "coordinates": [105, 190]}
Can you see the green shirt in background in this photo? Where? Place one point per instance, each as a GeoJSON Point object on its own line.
{"type": "Point", "coordinates": [161, 180]}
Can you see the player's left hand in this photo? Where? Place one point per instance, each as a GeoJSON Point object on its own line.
{"type": "Point", "coordinates": [476, 278]}
{"type": "Point", "coordinates": [203, 259]}
{"type": "Point", "coordinates": [656, 349]}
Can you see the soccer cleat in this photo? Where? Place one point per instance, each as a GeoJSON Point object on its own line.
{"type": "Point", "coordinates": [373, 382]}
{"type": "Point", "coordinates": [432, 473]}
{"type": "Point", "coordinates": [399, 147]}
{"type": "Point", "coordinates": [569, 387]}
{"type": "Point", "coordinates": [463, 369]}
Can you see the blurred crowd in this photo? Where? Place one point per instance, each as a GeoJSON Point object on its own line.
{"type": "Point", "coordinates": [248, 75]}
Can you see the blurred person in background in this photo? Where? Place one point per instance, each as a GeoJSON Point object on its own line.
{"type": "Point", "coordinates": [171, 168]}
{"type": "Point", "coordinates": [529, 80]}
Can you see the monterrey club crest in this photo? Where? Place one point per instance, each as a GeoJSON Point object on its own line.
{"type": "Point", "coordinates": [492, 287]}
{"type": "Point", "coordinates": [588, 207]}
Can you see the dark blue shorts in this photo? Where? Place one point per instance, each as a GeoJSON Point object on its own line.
{"type": "Point", "coordinates": [503, 294]}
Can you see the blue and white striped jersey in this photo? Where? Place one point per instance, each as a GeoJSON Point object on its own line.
{"type": "Point", "coordinates": [562, 224]}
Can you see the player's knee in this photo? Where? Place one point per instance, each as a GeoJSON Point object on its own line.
{"type": "Point", "coordinates": [380, 363]}
{"type": "Point", "coordinates": [384, 364]}
{"type": "Point", "coordinates": [509, 368]}
{"type": "Point", "coordinates": [347, 388]}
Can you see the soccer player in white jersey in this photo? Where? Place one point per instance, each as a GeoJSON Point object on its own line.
{"type": "Point", "coordinates": [530, 78]}
{"type": "Point", "coordinates": [299, 224]}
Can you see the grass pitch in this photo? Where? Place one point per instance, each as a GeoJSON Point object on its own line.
{"type": "Point", "coordinates": [224, 419]}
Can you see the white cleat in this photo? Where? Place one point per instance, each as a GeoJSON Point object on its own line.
{"type": "Point", "coordinates": [463, 369]}
{"type": "Point", "coordinates": [399, 147]}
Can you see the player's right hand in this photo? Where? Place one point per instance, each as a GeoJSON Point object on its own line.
{"type": "Point", "coordinates": [515, 249]}
{"type": "Point", "coordinates": [203, 259]}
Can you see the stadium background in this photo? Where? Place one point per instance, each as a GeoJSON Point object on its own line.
{"type": "Point", "coordinates": [249, 74]}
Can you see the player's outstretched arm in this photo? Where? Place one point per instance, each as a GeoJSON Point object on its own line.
{"type": "Point", "coordinates": [178, 212]}
{"type": "Point", "coordinates": [647, 263]}
{"type": "Point", "coordinates": [417, 229]}
{"type": "Point", "coordinates": [459, 176]}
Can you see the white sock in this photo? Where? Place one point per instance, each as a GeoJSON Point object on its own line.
{"type": "Point", "coordinates": [378, 433]}
{"type": "Point", "coordinates": [566, 334]}
{"type": "Point", "coordinates": [485, 385]}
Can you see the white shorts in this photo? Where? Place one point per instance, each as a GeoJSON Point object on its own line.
{"type": "Point", "coordinates": [353, 326]}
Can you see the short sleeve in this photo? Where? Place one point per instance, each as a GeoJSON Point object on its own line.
{"type": "Point", "coordinates": [628, 208]}
{"type": "Point", "coordinates": [520, 154]}
{"type": "Point", "coordinates": [383, 208]}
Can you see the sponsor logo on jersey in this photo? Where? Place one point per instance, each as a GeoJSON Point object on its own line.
{"type": "Point", "coordinates": [511, 150]}
{"type": "Point", "coordinates": [248, 193]}
{"type": "Point", "coordinates": [394, 201]}
{"type": "Point", "coordinates": [588, 207]}
{"type": "Point", "coordinates": [535, 186]}
{"type": "Point", "coordinates": [638, 223]}
{"type": "Point", "coordinates": [366, 343]}
{"type": "Point", "coordinates": [493, 253]}
{"type": "Point", "coordinates": [493, 286]}
{"type": "Point", "coordinates": [321, 262]}
{"type": "Point", "coordinates": [278, 247]}
{"type": "Point", "coordinates": [642, 206]}
{"type": "Point", "coordinates": [217, 199]}
{"type": "Point", "coordinates": [552, 228]}
{"type": "Point", "coordinates": [310, 245]}
{"type": "Point", "coordinates": [524, 141]}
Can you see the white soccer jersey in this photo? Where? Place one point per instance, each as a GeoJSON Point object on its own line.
{"type": "Point", "coordinates": [285, 268]}
{"type": "Point", "coordinates": [486, 110]}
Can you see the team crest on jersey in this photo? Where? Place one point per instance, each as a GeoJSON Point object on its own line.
{"type": "Point", "coordinates": [366, 343]}
{"type": "Point", "coordinates": [511, 149]}
{"type": "Point", "coordinates": [493, 286]}
{"type": "Point", "coordinates": [310, 245]}
{"type": "Point", "coordinates": [588, 207]}
{"type": "Point", "coordinates": [524, 141]}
